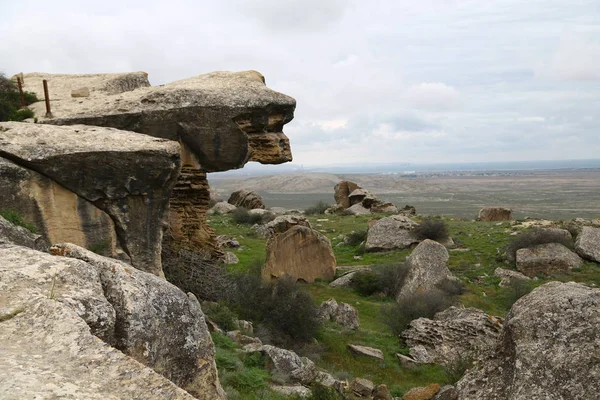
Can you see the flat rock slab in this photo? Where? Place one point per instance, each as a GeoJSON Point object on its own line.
{"type": "Point", "coordinates": [366, 351]}
{"type": "Point", "coordinates": [546, 259]}
{"type": "Point", "coordinates": [391, 233]}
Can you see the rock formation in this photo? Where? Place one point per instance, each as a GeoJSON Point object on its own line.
{"type": "Point", "coordinates": [508, 276]}
{"type": "Point", "coordinates": [546, 259]}
{"type": "Point", "coordinates": [83, 177]}
{"type": "Point", "coordinates": [342, 191]}
{"type": "Point", "coordinates": [280, 224]}
{"type": "Point", "coordinates": [221, 119]}
{"type": "Point", "coordinates": [247, 199]}
{"type": "Point", "coordinates": [547, 350]}
{"type": "Point", "coordinates": [58, 308]}
{"type": "Point", "coordinates": [11, 234]}
{"type": "Point", "coordinates": [300, 252]}
{"type": "Point", "coordinates": [453, 336]}
{"type": "Point", "coordinates": [391, 233]}
{"type": "Point", "coordinates": [341, 313]}
{"type": "Point", "coordinates": [355, 200]}
{"type": "Point", "coordinates": [426, 269]}
{"type": "Point", "coordinates": [494, 214]}
{"type": "Point", "coordinates": [588, 243]}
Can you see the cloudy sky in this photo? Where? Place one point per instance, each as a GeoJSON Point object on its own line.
{"type": "Point", "coordinates": [376, 81]}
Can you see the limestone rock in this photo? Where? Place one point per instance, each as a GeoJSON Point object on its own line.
{"type": "Point", "coordinates": [221, 208]}
{"type": "Point", "coordinates": [227, 241]}
{"type": "Point", "coordinates": [509, 276]}
{"type": "Point", "coordinates": [427, 269]}
{"type": "Point", "coordinates": [156, 323]}
{"type": "Point", "coordinates": [292, 368]}
{"type": "Point", "coordinates": [242, 339]}
{"type": "Point", "coordinates": [384, 208]}
{"type": "Point", "coordinates": [408, 211]}
{"type": "Point", "coordinates": [230, 258]}
{"type": "Point", "coordinates": [588, 243]}
{"type": "Point", "coordinates": [357, 196]}
{"type": "Point", "coordinates": [548, 349]}
{"type": "Point", "coordinates": [362, 387]}
{"type": "Point", "coordinates": [447, 392]}
{"type": "Point", "coordinates": [247, 199]}
{"type": "Point", "coordinates": [279, 210]}
{"type": "Point", "coordinates": [546, 259]}
{"type": "Point", "coordinates": [358, 209]}
{"type": "Point", "coordinates": [454, 335]}
{"type": "Point", "coordinates": [381, 392]}
{"type": "Point", "coordinates": [326, 309]}
{"type": "Point", "coordinates": [405, 361]}
{"type": "Point", "coordinates": [300, 252]}
{"type": "Point", "coordinates": [127, 175]}
{"type": "Point", "coordinates": [366, 351]}
{"type": "Point", "coordinates": [495, 214]}
{"type": "Point", "coordinates": [344, 280]}
{"type": "Point", "coordinates": [291, 390]}
{"type": "Point", "coordinates": [18, 235]}
{"type": "Point", "coordinates": [342, 192]}
{"type": "Point", "coordinates": [422, 393]}
{"type": "Point", "coordinates": [49, 353]}
{"type": "Point", "coordinates": [391, 233]}
{"type": "Point", "coordinates": [280, 224]}
{"type": "Point", "coordinates": [346, 316]}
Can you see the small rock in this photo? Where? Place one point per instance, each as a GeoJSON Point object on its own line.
{"type": "Point", "coordinates": [362, 387]}
{"type": "Point", "coordinates": [405, 361]}
{"type": "Point", "coordinates": [381, 392]}
{"type": "Point", "coordinates": [230, 258]}
{"type": "Point", "coordinates": [346, 316]}
{"type": "Point", "coordinates": [366, 351]}
{"type": "Point", "coordinates": [508, 276]}
{"type": "Point", "coordinates": [422, 393]}
{"type": "Point", "coordinates": [295, 390]}
{"type": "Point", "coordinates": [242, 339]}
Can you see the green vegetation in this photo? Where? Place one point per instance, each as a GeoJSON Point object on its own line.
{"type": "Point", "coordinates": [10, 101]}
{"type": "Point", "coordinates": [478, 250]}
{"type": "Point", "coordinates": [431, 228]}
{"type": "Point", "coordinates": [317, 209]}
{"type": "Point", "coordinates": [243, 216]}
{"type": "Point", "coordinates": [17, 219]}
{"type": "Point", "coordinates": [535, 237]}
{"type": "Point", "coordinates": [11, 315]}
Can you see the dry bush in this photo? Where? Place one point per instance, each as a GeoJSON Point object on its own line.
{"type": "Point", "coordinates": [431, 228]}
{"type": "Point", "coordinates": [535, 237]}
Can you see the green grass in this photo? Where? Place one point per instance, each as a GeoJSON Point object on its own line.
{"type": "Point", "coordinates": [17, 219]}
{"type": "Point", "coordinates": [483, 242]}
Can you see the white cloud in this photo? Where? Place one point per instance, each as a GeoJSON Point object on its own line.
{"type": "Point", "coordinates": [531, 119]}
{"type": "Point", "coordinates": [432, 96]}
{"type": "Point", "coordinates": [576, 58]}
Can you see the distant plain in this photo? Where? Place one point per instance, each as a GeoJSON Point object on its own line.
{"type": "Point", "coordinates": [549, 194]}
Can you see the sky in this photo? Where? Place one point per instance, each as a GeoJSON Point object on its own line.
{"type": "Point", "coordinates": [378, 81]}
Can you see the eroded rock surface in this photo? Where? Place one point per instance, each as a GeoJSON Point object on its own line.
{"type": "Point", "coordinates": [127, 175]}
{"type": "Point", "coordinates": [280, 224]}
{"type": "Point", "coordinates": [247, 199]}
{"type": "Point", "coordinates": [546, 259]}
{"type": "Point", "coordinates": [495, 214]}
{"type": "Point", "coordinates": [453, 336]}
{"type": "Point", "coordinates": [548, 349]}
{"type": "Point", "coordinates": [391, 233]}
{"type": "Point", "coordinates": [588, 243]}
{"type": "Point", "coordinates": [11, 234]}
{"type": "Point", "coordinates": [300, 252]}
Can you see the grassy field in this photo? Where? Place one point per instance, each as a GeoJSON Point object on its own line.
{"type": "Point", "coordinates": [474, 257]}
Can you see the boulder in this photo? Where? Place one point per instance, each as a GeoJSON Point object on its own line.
{"type": "Point", "coordinates": [242, 339]}
{"type": "Point", "coordinates": [426, 270]}
{"type": "Point", "coordinates": [292, 368]}
{"type": "Point", "coordinates": [293, 391]}
{"type": "Point", "coordinates": [588, 243]}
{"type": "Point", "coordinates": [548, 349]}
{"type": "Point", "coordinates": [391, 233]}
{"type": "Point", "coordinates": [326, 309]}
{"type": "Point", "coordinates": [358, 209]}
{"type": "Point", "coordinates": [156, 323]}
{"type": "Point", "coordinates": [384, 208]}
{"type": "Point", "coordinates": [357, 196]}
{"type": "Point", "coordinates": [508, 276]}
{"type": "Point", "coordinates": [247, 199]}
{"type": "Point", "coordinates": [365, 351]}
{"type": "Point", "coordinates": [344, 280]}
{"type": "Point", "coordinates": [300, 252]}
{"type": "Point", "coordinates": [280, 224]}
{"type": "Point", "coordinates": [546, 259]}
{"type": "Point", "coordinates": [12, 234]}
{"type": "Point", "coordinates": [221, 208]}
{"type": "Point", "coordinates": [408, 211]}
{"type": "Point", "coordinates": [381, 392]}
{"type": "Point", "coordinates": [342, 313]}
{"type": "Point", "coordinates": [225, 241]}
{"type": "Point", "coordinates": [455, 335]}
{"type": "Point", "coordinates": [342, 192]}
{"type": "Point", "coordinates": [407, 362]}
{"type": "Point", "coordinates": [127, 175]}
{"type": "Point", "coordinates": [494, 214]}
{"type": "Point", "coordinates": [362, 387]}
{"type": "Point", "coordinates": [422, 393]}
{"type": "Point", "coordinates": [230, 258]}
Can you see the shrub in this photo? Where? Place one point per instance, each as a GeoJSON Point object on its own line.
{"type": "Point", "coordinates": [535, 237]}
{"type": "Point", "coordinates": [17, 219]}
{"type": "Point", "coordinates": [385, 279]}
{"type": "Point", "coordinates": [320, 392]}
{"type": "Point", "coordinates": [431, 228]}
{"type": "Point", "coordinates": [220, 314]}
{"type": "Point", "coordinates": [355, 238]}
{"type": "Point", "coordinates": [398, 316]}
{"type": "Point", "coordinates": [517, 289]}
{"type": "Point", "coordinates": [366, 283]}
{"type": "Point", "coordinates": [280, 306]}
{"type": "Point", "coordinates": [318, 208]}
{"type": "Point", "coordinates": [10, 101]}
{"type": "Point", "coordinates": [246, 379]}
{"type": "Point", "coordinates": [242, 216]}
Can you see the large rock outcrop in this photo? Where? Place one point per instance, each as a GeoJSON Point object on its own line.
{"type": "Point", "coordinates": [547, 350]}
{"type": "Point", "coordinates": [300, 252]}
{"type": "Point", "coordinates": [588, 243]}
{"type": "Point", "coordinates": [391, 233]}
{"type": "Point", "coordinates": [138, 313]}
{"type": "Point", "coordinates": [453, 336]}
{"type": "Point", "coordinates": [247, 199]}
{"type": "Point", "coordinates": [11, 234]}
{"type": "Point", "coordinates": [341, 192]}
{"type": "Point", "coordinates": [546, 259]}
{"type": "Point", "coordinates": [221, 119]}
{"type": "Point", "coordinates": [427, 270]}
{"type": "Point", "coordinates": [126, 175]}
{"type": "Point", "coordinates": [494, 214]}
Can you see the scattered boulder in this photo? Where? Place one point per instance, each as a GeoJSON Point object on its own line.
{"type": "Point", "coordinates": [385, 208]}
{"type": "Point", "coordinates": [344, 280]}
{"type": "Point", "coordinates": [508, 276]}
{"type": "Point", "coordinates": [342, 192]}
{"type": "Point", "coordinates": [300, 252]}
{"type": "Point", "coordinates": [422, 393]}
{"type": "Point", "coordinates": [391, 233]}
{"type": "Point", "coordinates": [362, 387]}
{"type": "Point", "coordinates": [292, 368]}
{"type": "Point", "coordinates": [366, 351]}
{"type": "Point", "coordinates": [291, 390]}
{"type": "Point", "coordinates": [230, 258]}
{"type": "Point", "coordinates": [242, 339]}
{"type": "Point", "coordinates": [408, 211]}
{"type": "Point", "coordinates": [327, 309]}
{"type": "Point", "coordinates": [224, 241]}
{"type": "Point", "coordinates": [279, 210]}
{"type": "Point", "coordinates": [495, 214]}
{"type": "Point", "coordinates": [588, 243]}
{"type": "Point", "coordinates": [548, 349]}
{"type": "Point", "coordinates": [357, 209]}
{"type": "Point", "coordinates": [453, 336]}
{"type": "Point", "coordinates": [280, 224]}
{"type": "Point", "coordinates": [221, 208]}
{"type": "Point", "coordinates": [342, 313]}
{"type": "Point", "coordinates": [546, 259]}
{"type": "Point", "coordinates": [357, 196]}
{"type": "Point", "coordinates": [381, 392]}
{"type": "Point", "coordinates": [247, 199]}
{"type": "Point", "coordinates": [426, 269]}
